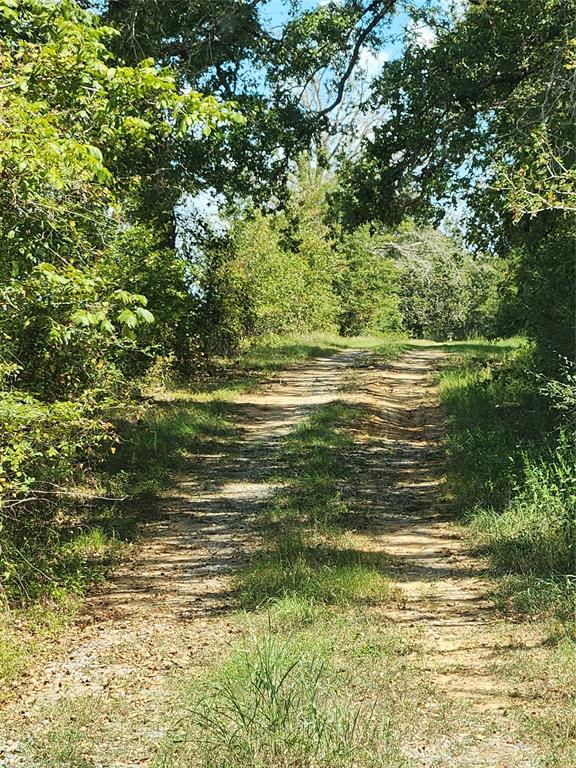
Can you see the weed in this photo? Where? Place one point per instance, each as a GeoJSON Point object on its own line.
{"type": "Point", "coordinates": [279, 704]}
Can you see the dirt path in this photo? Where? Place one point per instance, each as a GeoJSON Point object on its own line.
{"type": "Point", "coordinates": [442, 591]}
{"type": "Point", "coordinates": [169, 608]}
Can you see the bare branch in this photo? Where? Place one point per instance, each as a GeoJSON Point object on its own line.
{"type": "Point", "coordinates": [388, 6]}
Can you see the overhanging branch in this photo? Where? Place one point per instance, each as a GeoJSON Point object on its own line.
{"type": "Point", "coordinates": [386, 7]}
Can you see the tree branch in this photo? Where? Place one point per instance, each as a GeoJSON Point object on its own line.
{"type": "Point", "coordinates": [388, 6]}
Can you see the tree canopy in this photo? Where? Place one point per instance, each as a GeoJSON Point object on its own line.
{"type": "Point", "coordinates": [380, 166]}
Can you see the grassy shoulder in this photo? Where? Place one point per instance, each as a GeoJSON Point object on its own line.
{"type": "Point", "coordinates": [511, 463]}
{"type": "Point", "coordinates": [512, 467]}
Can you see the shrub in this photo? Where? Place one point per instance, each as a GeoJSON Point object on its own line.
{"type": "Point", "coordinates": [44, 450]}
{"type": "Point", "coordinates": [536, 533]}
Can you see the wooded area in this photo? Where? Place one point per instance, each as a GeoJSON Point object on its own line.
{"type": "Point", "coordinates": [197, 193]}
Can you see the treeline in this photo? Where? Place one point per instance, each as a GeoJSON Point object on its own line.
{"type": "Point", "coordinates": [110, 123]}
{"type": "Point", "coordinates": [298, 271]}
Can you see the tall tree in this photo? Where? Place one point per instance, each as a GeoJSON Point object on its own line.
{"type": "Point", "coordinates": [479, 113]}
{"type": "Point", "coordinates": [230, 49]}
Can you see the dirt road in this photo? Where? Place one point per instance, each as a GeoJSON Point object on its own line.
{"type": "Point", "coordinates": [170, 608]}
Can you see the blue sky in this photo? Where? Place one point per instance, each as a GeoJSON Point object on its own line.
{"type": "Point", "coordinates": [277, 12]}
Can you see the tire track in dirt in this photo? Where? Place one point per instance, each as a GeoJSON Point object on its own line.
{"type": "Point", "coordinates": [442, 592]}
{"type": "Point", "coordinates": [168, 607]}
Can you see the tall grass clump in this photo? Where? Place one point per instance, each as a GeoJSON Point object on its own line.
{"type": "Point", "coordinates": [279, 704]}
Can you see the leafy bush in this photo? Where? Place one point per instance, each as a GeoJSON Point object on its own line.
{"type": "Point", "coordinates": [45, 449]}
{"type": "Point", "coordinates": [368, 285]}
{"type": "Point", "coordinates": [255, 286]}
{"type": "Point", "coordinates": [140, 263]}
{"type": "Point", "coordinates": [65, 327]}
{"type": "Point", "coordinates": [546, 274]}
{"type": "Point", "coordinates": [47, 444]}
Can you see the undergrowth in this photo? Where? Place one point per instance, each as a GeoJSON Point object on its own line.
{"type": "Point", "coordinates": [277, 704]}
{"type": "Point", "coordinates": [512, 467]}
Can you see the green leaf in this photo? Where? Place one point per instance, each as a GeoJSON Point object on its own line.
{"type": "Point", "coordinates": [83, 318]}
{"type": "Point", "coordinates": [144, 314]}
{"type": "Point", "coordinates": [128, 318]}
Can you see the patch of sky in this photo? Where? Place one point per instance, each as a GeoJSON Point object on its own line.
{"type": "Point", "coordinates": [401, 26]}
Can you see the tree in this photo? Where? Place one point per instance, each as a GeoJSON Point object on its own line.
{"type": "Point", "coordinates": [444, 291]}
{"type": "Point", "coordinates": [481, 116]}
{"type": "Point", "coordinates": [368, 284]}
{"type": "Point", "coordinates": [78, 132]}
{"type": "Point", "coordinates": [228, 48]}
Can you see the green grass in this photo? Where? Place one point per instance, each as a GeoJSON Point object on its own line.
{"type": "Point", "coordinates": [474, 348]}
{"type": "Point", "coordinates": [513, 474]}
{"type": "Point", "coordinates": [329, 693]}
{"type": "Point", "coordinates": [308, 555]}
{"type": "Point", "coordinates": [277, 704]}
{"type": "Point", "coordinates": [493, 411]}
{"type": "Point", "coordinates": [275, 352]}
{"type": "Point", "coordinates": [314, 574]}
{"type": "Point", "coordinates": [13, 653]}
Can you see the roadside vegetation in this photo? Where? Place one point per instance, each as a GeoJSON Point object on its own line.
{"type": "Point", "coordinates": [511, 455]}
{"type": "Point", "coordinates": [96, 521]}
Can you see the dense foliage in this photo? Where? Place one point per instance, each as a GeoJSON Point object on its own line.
{"type": "Point", "coordinates": [479, 114]}
{"type": "Point", "coordinates": [241, 50]}
{"type": "Point", "coordinates": [290, 270]}
{"type": "Point", "coordinates": [79, 132]}
{"type": "Point", "coordinates": [445, 292]}
{"type": "Point", "coordinates": [512, 466]}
